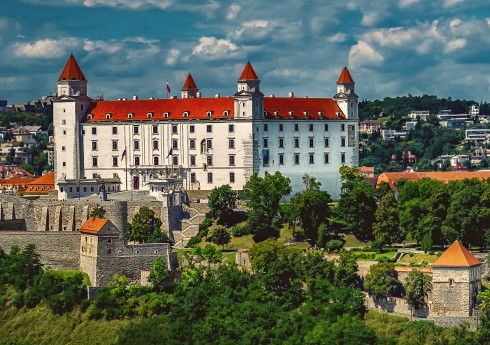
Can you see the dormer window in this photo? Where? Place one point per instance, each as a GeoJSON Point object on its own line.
{"type": "Point", "coordinates": [90, 116]}
{"type": "Point", "coordinates": [130, 115]}
{"type": "Point", "coordinates": [226, 113]}
{"type": "Point", "coordinates": [337, 113]}
{"type": "Point", "coordinates": [209, 113]}
{"type": "Point", "coordinates": [108, 116]}
{"type": "Point", "coordinates": [276, 112]}
{"type": "Point", "coordinates": [185, 114]}
{"type": "Point", "coordinates": [149, 115]}
{"type": "Point", "coordinates": [291, 113]}
{"type": "Point", "coordinates": [320, 113]}
{"type": "Point", "coordinates": [307, 114]}
{"type": "Point", "coordinates": [265, 113]}
{"type": "Point", "coordinates": [166, 114]}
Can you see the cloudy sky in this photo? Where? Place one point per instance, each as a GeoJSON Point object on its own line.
{"type": "Point", "coordinates": [132, 47]}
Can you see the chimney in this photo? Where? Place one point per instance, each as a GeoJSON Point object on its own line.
{"type": "Point", "coordinates": [291, 94]}
{"type": "Point", "coordinates": [217, 95]}
{"type": "Point", "coordinates": [272, 95]}
{"type": "Point", "coordinates": [135, 98]}
{"type": "Point", "coordinates": [198, 94]}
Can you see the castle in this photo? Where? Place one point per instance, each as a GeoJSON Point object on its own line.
{"type": "Point", "coordinates": [203, 142]}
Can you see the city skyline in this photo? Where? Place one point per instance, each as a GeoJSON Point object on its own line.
{"type": "Point", "coordinates": [126, 48]}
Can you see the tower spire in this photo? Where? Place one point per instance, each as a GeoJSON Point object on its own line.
{"type": "Point", "coordinates": [190, 89]}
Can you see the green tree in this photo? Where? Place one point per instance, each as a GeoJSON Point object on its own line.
{"type": "Point", "coordinates": [145, 227]}
{"type": "Point", "coordinates": [381, 280]}
{"type": "Point", "coordinates": [220, 236]}
{"type": "Point", "coordinates": [159, 275]}
{"type": "Point", "coordinates": [98, 212]}
{"type": "Point", "coordinates": [222, 201]}
{"type": "Point", "coordinates": [386, 227]}
{"type": "Point", "coordinates": [313, 209]}
{"type": "Point", "coordinates": [417, 287]}
{"type": "Point", "coordinates": [264, 195]}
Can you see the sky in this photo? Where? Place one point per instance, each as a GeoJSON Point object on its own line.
{"type": "Point", "coordinates": [133, 47]}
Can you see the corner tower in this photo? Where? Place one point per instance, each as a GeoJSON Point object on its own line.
{"type": "Point", "coordinates": [69, 107]}
{"type": "Point", "coordinates": [189, 90]}
{"type": "Point", "coordinates": [346, 97]}
{"type": "Point", "coordinates": [248, 98]}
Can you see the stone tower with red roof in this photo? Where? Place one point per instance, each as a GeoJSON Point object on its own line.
{"type": "Point", "coordinates": [346, 97]}
{"type": "Point", "coordinates": [456, 281]}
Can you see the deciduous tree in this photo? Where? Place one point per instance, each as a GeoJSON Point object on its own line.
{"type": "Point", "coordinates": [417, 287]}
{"type": "Point", "coordinates": [222, 201]}
{"type": "Point", "coordinates": [386, 227]}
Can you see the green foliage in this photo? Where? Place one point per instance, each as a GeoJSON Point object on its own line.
{"type": "Point", "coordinates": [159, 275]}
{"type": "Point", "coordinates": [205, 224]}
{"type": "Point", "coordinates": [313, 208]}
{"type": "Point", "coordinates": [145, 227]}
{"type": "Point", "coordinates": [417, 286]}
{"type": "Point", "coordinates": [263, 195]}
{"type": "Point", "coordinates": [386, 225]}
{"type": "Point", "coordinates": [222, 201]}
{"type": "Point", "coordinates": [220, 236]}
{"type": "Point", "coordinates": [19, 267]}
{"type": "Point", "coordinates": [98, 212]}
{"type": "Point", "coordinates": [334, 245]}
{"type": "Point", "coordinates": [240, 230]}
{"type": "Point", "coordinates": [381, 280]}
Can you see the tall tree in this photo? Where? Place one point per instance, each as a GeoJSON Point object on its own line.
{"type": "Point", "coordinates": [159, 275]}
{"type": "Point", "coordinates": [146, 227]}
{"type": "Point", "coordinates": [220, 236]}
{"type": "Point", "coordinates": [417, 287]}
{"type": "Point", "coordinates": [264, 195]}
{"type": "Point", "coordinates": [381, 280]}
{"type": "Point", "coordinates": [386, 227]}
{"type": "Point", "coordinates": [222, 201]}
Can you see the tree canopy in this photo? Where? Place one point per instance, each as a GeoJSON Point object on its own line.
{"type": "Point", "coordinates": [145, 227]}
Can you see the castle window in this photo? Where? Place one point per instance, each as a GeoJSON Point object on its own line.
{"type": "Point", "coordinates": [109, 240]}
{"type": "Point", "coordinates": [155, 129]}
{"type": "Point", "coordinates": [62, 148]}
{"type": "Point", "coordinates": [281, 127]}
{"type": "Point", "coordinates": [226, 113]}
{"type": "Point", "coordinates": [342, 157]}
{"type": "Point", "coordinates": [296, 158]}
{"type": "Point", "coordinates": [231, 128]}
{"type": "Point", "coordinates": [114, 145]}
{"type": "Point", "coordinates": [266, 142]}
{"type": "Point", "coordinates": [231, 160]}
{"type": "Point", "coordinates": [192, 161]}
{"type": "Point", "coordinates": [320, 113]}
{"type": "Point", "coordinates": [174, 129]}
{"type": "Point", "coordinates": [307, 114]}
{"type": "Point", "coordinates": [114, 130]}
{"type": "Point", "coordinates": [175, 144]}
{"type": "Point", "coordinates": [136, 129]}
{"type": "Point", "coordinates": [130, 115]}
{"type": "Point", "coordinates": [451, 281]}
{"type": "Point", "coordinates": [276, 112]}
{"type": "Point", "coordinates": [296, 142]}
{"type": "Point", "coordinates": [185, 114]}
{"type": "Point", "coordinates": [193, 177]}
{"type": "Point", "coordinates": [114, 162]}
{"type": "Point", "coordinates": [266, 127]}
{"type": "Point", "coordinates": [155, 144]}
{"type": "Point", "coordinates": [95, 161]}
{"type": "Point", "coordinates": [281, 159]}
{"type": "Point", "coordinates": [296, 127]}
{"type": "Point", "coordinates": [63, 122]}
{"type": "Point", "coordinates": [232, 177]}
{"type": "Point", "coordinates": [149, 115]}
{"type": "Point", "coordinates": [209, 113]}
{"type": "Point", "coordinates": [192, 144]}
{"type": "Point", "coordinates": [209, 160]}
{"type": "Point", "coordinates": [311, 127]}
{"type": "Point", "coordinates": [326, 127]}
{"type": "Point", "coordinates": [64, 132]}
{"type": "Point", "coordinates": [109, 251]}
{"type": "Point", "coordinates": [312, 142]}
{"type": "Point", "coordinates": [281, 143]}
{"type": "Point", "coordinates": [342, 127]}
{"type": "Point", "coordinates": [94, 130]}
{"type": "Point", "coordinates": [209, 128]}
{"type": "Point", "coordinates": [342, 141]}
{"type": "Point", "coordinates": [155, 160]}
{"type": "Point", "coordinates": [136, 160]}
{"type": "Point", "coordinates": [231, 143]}
{"type": "Point", "coordinates": [136, 145]}
{"type": "Point", "coordinates": [175, 160]}
{"type": "Point", "coordinates": [291, 113]}
{"type": "Point", "coordinates": [191, 129]}
{"type": "Point", "coordinates": [209, 143]}
{"type": "Point", "coordinates": [312, 158]}
{"type": "Point", "coordinates": [210, 177]}
{"type": "Point", "coordinates": [108, 116]}
{"type": "Point", "coordinates": [327, 142]}
{"type": "Point", "coordinates": [94, 146]}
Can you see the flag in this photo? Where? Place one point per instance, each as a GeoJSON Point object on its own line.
{"type": "Point", "coordinates": [123, 154]}
{"type": "Point", "coordinates": [170, 152]}
{"type": "Point", "coordinates": [168, 88]}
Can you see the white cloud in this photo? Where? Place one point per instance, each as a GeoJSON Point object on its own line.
{"type": "Point", "coordinates": [45, 48]}
{"type": "Point", "coordinates": [172, 56]}
{"type": "Point", "coordinates": [455, 44]}
{"type": "Point", "coordinates": [213, 48]}
{"type": "Point", "coordinates": [363, 54]}
{"type": "Point", "coordinates": [255, 29]}
{"type": "Point", "coordinates": [449, 3]}
{"type": "Point", "coordinates": [110, 47]}
{"type": "Point", "coordinates": [337, 38]}
{"type": "Point", "coordinates": [454, 23]}
{"type": "Point", "coordinates": [131, 4]}
{"type": "Point", "coordinates": [407, 3]}
{"type": "Point", "coordinates": [233, 11]}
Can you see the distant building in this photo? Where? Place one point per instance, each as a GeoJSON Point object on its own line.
{"type": "Point", "coordinates": [370, 126]}
{"type": "Point", "coordinates": [391, 134]}
{"type": "Point", "coordinates": [367, 171]}
{"type": "Point", "coordinates": [455, 123]}
{"type": "Point", "coordinates": [474, 110]}
{"type": "Point", "coordinates": [477, 134]}
{"type": "Point", "coordinates": [423, 115]}
{"type": "Point", "coordinates": [41, 186]}
{"type": "Point", "coordinates": [410, 125]}
{"type": "Point", "coordinates": [477, 156]}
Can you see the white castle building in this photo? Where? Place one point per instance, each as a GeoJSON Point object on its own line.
{"type": "Point", "coordinates": [203, 142]}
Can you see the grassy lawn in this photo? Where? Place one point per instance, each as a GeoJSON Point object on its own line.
{"type": "Point", "coordinates": [418, 258]}
{"type": "Point", "coordinates": [352, 241]}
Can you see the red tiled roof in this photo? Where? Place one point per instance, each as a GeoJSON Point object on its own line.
{"type": "Point", "coordinates": [45, 180]}
{"type": "Point", "coordinates": [345, 77]}
{"type": "Point", "coordinates": [248, 73]}
{"type": "Point", "coordinates": [392, 178]}
{"type": "Point", "coordinates": [197, 108]}
{"type": "Point", "coordinates": [456, 256]}
{"type": "Point", "coordinates": [189, 83]}
{"type": "Point", "coordinates": [301, 108]}
{"type": "Point", "coordinates": [72, 71]}
{"type": "Point", "coordinates": [93, 225]}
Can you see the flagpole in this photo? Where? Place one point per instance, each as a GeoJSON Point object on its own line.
{"type": "Point", "coordinates": [166, 88]}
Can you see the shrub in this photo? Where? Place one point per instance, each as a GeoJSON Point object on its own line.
{"type": "Point", "coordinates": [205, 224]}
{"type": "Point", "coordinates": [239, 231]}
{"type": "Point", "coordinates": [334, 245]}
{"type": "Point", "coordinates": [193, 241]}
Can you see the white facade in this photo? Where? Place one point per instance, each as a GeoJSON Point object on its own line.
{"type": "Point", "coordinates": [207, 142]}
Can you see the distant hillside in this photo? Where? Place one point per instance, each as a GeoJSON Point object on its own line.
{"type": "Point", "coordinates": [401, 106]}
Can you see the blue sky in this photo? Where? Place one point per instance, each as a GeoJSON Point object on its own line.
{"type": "Point", "coordinates": [132, 47]}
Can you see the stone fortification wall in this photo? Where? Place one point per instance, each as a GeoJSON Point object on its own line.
{"type": "Point", "coordinates": [58, 250]}
{"type": "Point", "coordinates": [130, 260]}
{"type": "Point", "coordinates": [395, 305]}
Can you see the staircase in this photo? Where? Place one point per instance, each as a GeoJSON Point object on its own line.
{"type": "Point", "coordinates": [194, 214]}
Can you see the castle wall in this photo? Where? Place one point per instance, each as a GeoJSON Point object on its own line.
{"type": "Point", "coordinates": [58, 250]}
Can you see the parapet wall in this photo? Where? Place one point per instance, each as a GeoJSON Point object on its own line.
{"type": "Point", "coordinates": [58, 250]}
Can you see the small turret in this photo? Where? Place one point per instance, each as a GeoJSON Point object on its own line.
{"type": "Point", "coordinates": [190, 89]}
{"type": "Point", "coordinates": [248, 80]}
{"type": "Point", "coordinates": [346, 98]}
{"type": "Point", "coordinates": [248, 99]}
{"type": "Point", "coordinates": [72, 81]}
